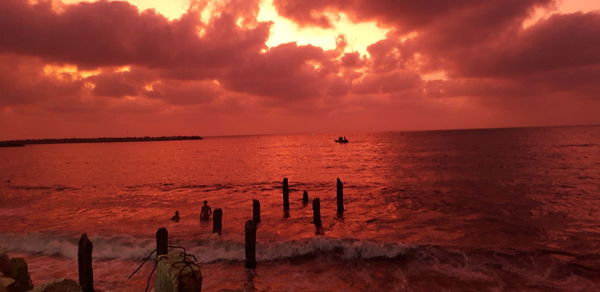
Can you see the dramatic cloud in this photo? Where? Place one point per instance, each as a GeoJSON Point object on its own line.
{"type": "Point", "coordinates": [560, 42]}
{"type": "Point", "coordinates": [115, 33]}
{"type": "Point", "coordinates": [454, 63]}
{"type": "Point", "coordinates": [290, 72]}
{"type": "Point", "coordinates": [23, 81]}
{"type": "Point", "coordinates": [406, 15]}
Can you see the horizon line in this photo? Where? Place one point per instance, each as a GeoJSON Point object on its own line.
{"type": "Point", "coordinates": [305, 132]}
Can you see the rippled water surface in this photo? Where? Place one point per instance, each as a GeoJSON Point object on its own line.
{"type": "Point", "coordinates": [498, 209]}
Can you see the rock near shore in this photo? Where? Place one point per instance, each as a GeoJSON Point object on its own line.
{"type": "Point", "coordinates": [14, 277]}
{"type": "Point", "coordinates": [60, 285]}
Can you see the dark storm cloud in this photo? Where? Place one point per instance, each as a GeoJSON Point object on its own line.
{"type": "Point", "coordinates": [484, 57]}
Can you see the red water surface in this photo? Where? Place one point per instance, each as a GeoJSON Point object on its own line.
{"type": "Point", "coordinates": [481, 209]}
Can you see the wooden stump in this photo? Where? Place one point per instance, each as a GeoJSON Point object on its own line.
{"type": "Point", "coordinates": [250, 234]}
{"type": "Point", "coordinates": [218, 221]}
{"type": "Point", "coordinates": [84, 261]}
{"type": "Point", "coordinates": [162, 241]}
{"type": "Point", "coordinates": [305, 198]}
{"type": "Point", "coordinates": [286, 198]}
{"type": "Point", "coordinates": [316, 204]}
{"type": "Point", "coordinates": [340, 198]}
{"type": "Point", "coordinates": [173, 274]}
{"type": "Point", "coordinates": [256, 211]}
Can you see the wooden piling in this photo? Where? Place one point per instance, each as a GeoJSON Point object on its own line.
{"type": "Point", "coordinates": [162, 241]}
{"type": "Point", "coordinates": [250, 234]}
{"type": "Point", "coordinates": [316, 204]}
{"type": "Point", "coordinates": [256, 211]}
{"type": "Point", "coordinates": [286, 198]}
{"type": "Point", "coordinates": [340, 197]}
{"type": "Point", "coordinates": [305, 198]}
{"type": "Point", "coordinates": [84, 262]}
{"type": "Point", "coordinates": [175, 273]}
{"type": "Point", "coordinates": [218, 221]}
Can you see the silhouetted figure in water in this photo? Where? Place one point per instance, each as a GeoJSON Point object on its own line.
{"type": "Point", "coordinates": [176, 217]}
{"type": "Point", "coordinates": [205, 212]}
{"type": "Point", "coordinates": [305, 198]}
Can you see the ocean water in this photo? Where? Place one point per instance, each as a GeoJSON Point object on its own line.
{"type": "Point", "coordinates": [475, 210]}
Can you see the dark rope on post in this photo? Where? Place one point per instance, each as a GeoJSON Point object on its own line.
{"type": "Point", "coordinates": [180, 247]}
{"type": "Point", "coordinates": [144, 262]}
{"type": "Point", "coordinates": [150, 276]}
{"type": "Point", "coordinates": [187, 264]}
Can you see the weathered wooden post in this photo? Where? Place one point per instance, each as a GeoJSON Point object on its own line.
{"type": "Point", "coordinates": [286, 198]}
{"type": "Point", "coordinates": [218, 221]}
{"type": "Point", "coordinates": [84, 262]}
{"type": "Point", "coordinates": [316, 204]}
{"type": "Point", "coordinates": [162, 241]}
{"type": "Point", "coordinates": [162, 248]}
{"type": "Point", "coordinates": [340, 198]}
{"type": "Point", "coordinates": [256, 211]}
{"type": "Point", "coordinates": [174, 273]}
{"type": "Point", "coordinates": [250, 232]}
{"type": "Point", "coordinates": [305, 198]}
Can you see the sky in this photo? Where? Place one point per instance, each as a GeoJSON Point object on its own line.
{"type": "Point", "coordinates": [231, 67]}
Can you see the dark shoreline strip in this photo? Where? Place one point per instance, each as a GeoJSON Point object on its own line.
{"type": "Point", "coordinates": [20, 143]}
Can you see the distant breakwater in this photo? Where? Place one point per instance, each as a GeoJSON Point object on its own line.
{"type": "Point", "coordinates": [20, 143]}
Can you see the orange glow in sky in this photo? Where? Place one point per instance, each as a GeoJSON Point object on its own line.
{"type": "Point", "coordinates": [358, 35]}
{"type": "Point", "coordinates": [266, 66]}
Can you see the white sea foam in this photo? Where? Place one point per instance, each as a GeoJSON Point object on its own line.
{"type": "Point", "coordinates": [66, 246]}
{"type": "Point", "coordinates": [207, 250]}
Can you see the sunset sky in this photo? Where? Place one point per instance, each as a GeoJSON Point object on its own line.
{"type": "Point", "coordinates": [179, 67]}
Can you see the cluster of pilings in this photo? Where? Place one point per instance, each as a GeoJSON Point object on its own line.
{"type": "Point", "coordinates": [339, 197]}
{"type": "Point", "coordinates": [192, 280]}
{"type": "Point", "coordinates": [176, 271]}
{"type": "Point", "coordinates": [250, 226]}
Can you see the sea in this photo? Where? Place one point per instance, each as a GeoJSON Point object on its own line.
{"type": "Point", "coordinates": [513, 209]}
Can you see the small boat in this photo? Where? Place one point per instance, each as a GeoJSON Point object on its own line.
{"type": "Point", "coordinates": [341, 140]}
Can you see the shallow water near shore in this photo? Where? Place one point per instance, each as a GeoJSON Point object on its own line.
{"type": "Point", "coordinates": [496, 209]}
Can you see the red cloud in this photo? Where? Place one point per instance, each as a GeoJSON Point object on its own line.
{"type": "Point", "coordinates": [221, 70]}
{"type": "Point", "coordinates": [404, 15]}
{"type": "Point", "coordinates": [179, 92]}
{"type": "Point", "coordinates": [396, 81]}
{"type": "Point", "coordinates": [115, 33]}
{"type": "Point", "coordinates": [287, 71]}
{"type": "Point", "coordinates": [560, 42]}
{"type": "Point", "coordinates": [352, 60]}
{"type": "Point", "coordinates": [22, 81]}
{"type": "Point", "coordinates": [113, 84]}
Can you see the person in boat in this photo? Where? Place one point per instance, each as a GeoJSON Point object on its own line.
{"type": "Point", "coordinates": [175, 218]}
{"type": "Point", "coordinates": [342, 139]}
{"type": "Point", "coordinates": [205, 212]}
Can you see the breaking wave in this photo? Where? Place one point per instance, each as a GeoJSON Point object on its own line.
{"type": "Point", "coordinates": [212, 249]}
